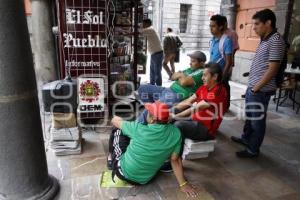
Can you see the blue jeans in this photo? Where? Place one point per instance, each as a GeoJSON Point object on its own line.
{"type": "Point", "coordinates": [155, 68]}
{"type": "Point", "coordinates": [152, 93]}
{"type": "Point", "coordinates": [255, 125]}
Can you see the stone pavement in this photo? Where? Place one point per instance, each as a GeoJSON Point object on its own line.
{"type": "Point", "coordinates": [274, 175]}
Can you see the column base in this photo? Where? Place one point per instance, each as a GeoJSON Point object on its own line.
{"type": "Point", "coordinates": [47, 194]}
{"type": "Point", "coordinates": [50, 192]}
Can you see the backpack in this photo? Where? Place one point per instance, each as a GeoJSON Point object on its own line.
{"type": "Point", "coordinates": [178, 42]}
{"type": "Point", "coordinates": [279, 78]}
{"type": "Point", "coordinates": [221, 47]}
{"type": "Point", "coordinates": [170, 43]}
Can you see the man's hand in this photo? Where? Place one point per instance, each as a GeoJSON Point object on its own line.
{"type": "Point", "coordinates": [177, 75]}
{"type": "Point", "coordinates": [172, 116]}
{"type": "Point", "coordinates": [186, 103]}
{"type": "Point", "coordinates": [189, 190]}
{"type": "Point", "coordinates": [254, 91]}
{"type": "Point", "coordinates": [225, 76]}
{"type": "Point", "coordinates": [267, 77]}
{"type": "Point", "coordinates": [117, 121]}
{"type": "Point", "coordinates": [176, 163]}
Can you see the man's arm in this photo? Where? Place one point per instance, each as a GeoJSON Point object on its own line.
{"type": "Point", "coordinates": [146, 31]}
{"type": "Point", "coordinates": [185, 113]}
{"type": "Point", "coordinates": [177, 75]}
{"type": "Point", "coordinates": [195, 107]}
{"type": "Point", "coordinates": [176, 163]}
{"type": "Point", "coordinates": [236, 42]}
{"type": "Point", "coordinates": [117, 121]}
{"type": "Point", "coordinates": [202, 105]}
{"type": "Point", "coordinates": [183, 79]}
{"type": "Point", "coordinates": [186, 81]}
{"type": "Point", "coordinates": [228, 50]}
{"type": "Point", "coordinates": [267, 77]}
{"type": "Point", "coordinates": [228, 64]}
{"type": "Point", "coordinates": [276, 53]}
{"type": "Point", "coordinates": [186, 103]}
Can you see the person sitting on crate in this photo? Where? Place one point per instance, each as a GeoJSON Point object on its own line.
{"type": "Point", "coordinates": [199, 116]}
{"type": "Point", "coordinates": [186, 83]}
{"type": "Point", "coordinates": [137, 151]}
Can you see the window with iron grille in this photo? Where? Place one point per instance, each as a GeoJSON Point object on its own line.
{"type": "Point", "coordinates": [184, 13]}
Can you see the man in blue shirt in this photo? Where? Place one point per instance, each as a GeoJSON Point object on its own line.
{"type": "Point", "coordinates": [221, 49]}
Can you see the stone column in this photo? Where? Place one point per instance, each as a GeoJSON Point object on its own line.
{"type": "Point", "coordinates": [23, 166]}
{"type": "Point", "coordinates": [229, 9]}
{"type": "Point", "coordinates": [284, 10]}
{"type": "Point", "coordinates": [43, 42]}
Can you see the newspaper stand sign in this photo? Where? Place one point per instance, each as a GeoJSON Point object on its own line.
{"type": "Point", "coordinates": [83, 52]}
{"type": "Point", "coordinates": [91, 95]}
{"type": "Point", "coordinates": [83, 37]}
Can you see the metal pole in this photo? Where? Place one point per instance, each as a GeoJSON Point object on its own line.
{"type": "Point", "coordinates": [23, 166]}
{"type": "Point", "coordinates": [161, 18]}
{"type": "Point", "coordinates": [288, 20]}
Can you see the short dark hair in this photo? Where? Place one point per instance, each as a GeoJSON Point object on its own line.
{"type": "Point", "coordinates": [265, 15]}
{"type": "Point", "coordinates": [225, 19]}
{"type": "Point", "coordinates": [170, 29]}
{"type": "Point", "coordinates": [147, 21]}
{"type": "Point", "coordinates": [219, 19]}
{"type": "Point", "coordinates": [215, 68]}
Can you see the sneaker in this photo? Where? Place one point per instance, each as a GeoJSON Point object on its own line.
{"type": "Point", "coordinates": [109, 164]}
{"type": "Point", "coordinates": [246, 154]}
{"type": "Point", "coordinates": [137, 98]}
{"type": "Point", "coordinates": [136, 95]}
{"type": "Point", "coordinates": [239, 141]}
{"type": "Point", "coordinates": [167, 167]}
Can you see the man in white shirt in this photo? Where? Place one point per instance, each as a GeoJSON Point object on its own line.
{"type": "Point", "coordinates": [156, 51]}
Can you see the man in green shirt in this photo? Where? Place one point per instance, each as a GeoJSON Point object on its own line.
{"type": "Point", "coordinates": [138, 151]}
{"type": "Point", "coordinates": [185, 84]}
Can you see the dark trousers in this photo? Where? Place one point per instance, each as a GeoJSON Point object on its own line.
{"type": "Point", "coordinates": [225, 81]}
{"type": "Point", "coordinates": [256, 114]}
{"type": "Point", "coordinates": [155, 68]}
{"type": "Point", "coordinates": [118, 144]}
{"type": "Point", "coordinates": [192, 130]}
{"type": "Point", "coordinates": [227, 87]}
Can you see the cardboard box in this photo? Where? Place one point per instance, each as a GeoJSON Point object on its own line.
{"type": "Point", "coordinates": [63, 120]}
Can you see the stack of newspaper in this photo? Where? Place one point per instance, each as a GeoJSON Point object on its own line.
{"type": "Point", "coordinates": [66, 141]}
{"type": "Point", "coordinates": [195, 150]}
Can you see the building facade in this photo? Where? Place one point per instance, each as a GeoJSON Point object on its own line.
{"type": "Point", "coordinates": [188, 18]}
{"type": "Point", "coordinates": [242, 11]}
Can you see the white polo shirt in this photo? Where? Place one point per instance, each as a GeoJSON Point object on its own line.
{"type": "Point", "coordinates": [154, 44]}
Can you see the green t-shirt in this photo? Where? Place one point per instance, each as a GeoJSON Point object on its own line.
{"type": "Point", "coordinates": [150, 146]}
{"type": "Point", "coordinates": [190, 90]}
